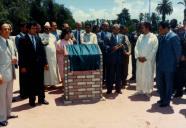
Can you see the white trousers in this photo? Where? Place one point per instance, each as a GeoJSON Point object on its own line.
{"type": "Point", "coordinates": [6, 93]}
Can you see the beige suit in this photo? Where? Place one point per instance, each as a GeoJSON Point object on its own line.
{"type": "Point", "coordinates": [7, 71]}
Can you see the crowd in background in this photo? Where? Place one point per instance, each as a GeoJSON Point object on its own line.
{"type": "Point", "coordinates": [40, 51]}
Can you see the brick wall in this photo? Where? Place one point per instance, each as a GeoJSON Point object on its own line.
{"type": "Point", "coordinates": [82, 86]}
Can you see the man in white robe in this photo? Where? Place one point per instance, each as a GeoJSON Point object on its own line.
{"type": "Point", "coordinates": [51, 76]}
{"type": "Point", "coordinates": [88, 37]}
{"type": "Point", "coordinates": [145, 53]}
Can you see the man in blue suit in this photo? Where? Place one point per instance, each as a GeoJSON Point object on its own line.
{"type": "Point", "coordinates": [103, 39]}
{"type": "Point", "coordinates": [117, 48]}
{"type": "Point", "coordinates": [180, 79]}
{"type": "Point", "coordinates": [168, 56]}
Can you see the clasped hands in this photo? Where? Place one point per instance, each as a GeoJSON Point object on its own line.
{"type": "Point", "coordinates": [142, 59]}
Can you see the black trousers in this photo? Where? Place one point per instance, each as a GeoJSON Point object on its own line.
{"type": "Point", "coordinates": [133, 64]}
{"type": "Point", "coordinates": [23, 84]}
{"type": "Point", "coordinates": [125, 69]}
{"type": "Point", "coordinates": [105, 66]}
{"type": "Point", "coordinates": [114, 76]}
{"type": "Point", "coordinates": [36, 86]}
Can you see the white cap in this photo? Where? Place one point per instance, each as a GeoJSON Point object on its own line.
{"type": "Point", "coordinates": [47, 24]}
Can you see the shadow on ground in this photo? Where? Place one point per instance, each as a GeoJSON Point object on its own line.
{"type": "Point", "coordinates": [178, 101]}
{"type": "Point", "coordinates": [22, 108]}
{"type": "Point", "coordinates": [183, 112]}
{"type": "Point", "coordinates": [139, 97]}
{"type": "Point", "coordinates": [156, 109]}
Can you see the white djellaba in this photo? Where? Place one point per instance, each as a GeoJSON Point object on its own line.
{"type": "Point", "coordinates": [51, 76]}
{"type": "Point", "coordinates": [146, 46]}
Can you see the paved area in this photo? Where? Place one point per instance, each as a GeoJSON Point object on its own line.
{"type": "Point", "coordinates": [117, 111]}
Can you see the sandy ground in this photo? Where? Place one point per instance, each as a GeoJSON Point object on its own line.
{"type": "Point", "coordinates": [122, 111]}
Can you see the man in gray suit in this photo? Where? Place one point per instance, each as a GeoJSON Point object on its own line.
{"type": "Point", "coordinates": [77, 33]}
{"type": "Point", "coordinates": [7, 73]}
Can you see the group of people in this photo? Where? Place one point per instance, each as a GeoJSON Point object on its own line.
{"type": "Point", "coordinates": [39, 55]}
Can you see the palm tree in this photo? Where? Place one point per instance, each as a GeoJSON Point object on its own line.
{"type": "Point", "coordinates": [164, 8]}
{"type": "Point", "coordinates": [141, 17]}
{"type": "Point", "coordinates": [124, 17]}
{"type": "Point", "coordinates": [183, 3]}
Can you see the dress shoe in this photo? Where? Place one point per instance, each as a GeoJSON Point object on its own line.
{"type": "Point", "coordinates": [118, 91]}
{"type": "Point", "coordinates": [13, 99]}
{"type": "Point", "coordinates": [43, 102]}
{"type": "Point", "coordinates": [132, 79]}
{"type": "Point", "coordinates": [3, 123]}
{"type": "Point", "coordinates": [32, 104]}
{"type": "Point", "coordinates": [12, 116]}
{"type": "Point", "coordinates": [178, 95]}
{"type": "Point", "coordinates": [148, 95]}
{"type": "Point", "coordinates": [159, 102]}
{"type": "Point", "coordinates": [109, 92]}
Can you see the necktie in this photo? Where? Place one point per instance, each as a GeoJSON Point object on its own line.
{"type": "Point", "coordinates": [78, 37]}
{"type": "Point", "coordinates": [116, 38]}
{"type": "Point", "coordinates": [102, 35]}
{"type": "Point", "coordinates": [8, 46]}
{"type": "Point", "coordinates": [33, 41]}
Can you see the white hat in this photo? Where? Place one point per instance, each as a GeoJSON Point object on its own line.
{"type": "Point", "coordinates": [47, 24]}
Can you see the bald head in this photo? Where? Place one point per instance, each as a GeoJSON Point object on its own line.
{"type": "Point", "coordinates": [105, 26]}
{"type": "Point", "coordinates": [78, 25]}
{"type": "Point", "coordinates": [116, 28]}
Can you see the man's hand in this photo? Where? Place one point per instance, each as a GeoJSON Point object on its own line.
{"type": "Point", "coordinates": [115, 48]}
{"type": "Point", "coordinates": [23, 70]}
{"type": "Point", "coordinates": [126, 53]}
{"type": "Point", "coordinates": [183, 58]}
{"type": "Point", "coordinates": [142, 59]}
{"type": "Point", "coordinates": [14, 60]}
{"type": "Point", "coordinates": [1, 79]}
{"type": "Point", "coordinates": [46, 67]}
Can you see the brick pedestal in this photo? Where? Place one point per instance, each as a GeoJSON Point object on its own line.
{"type": "Point", "coordinates": [82, 86]}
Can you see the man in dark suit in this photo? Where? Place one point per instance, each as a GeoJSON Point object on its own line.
{"type": "Point", "coordinates": [32, 60]}
{"type": "Point", "coordinates": [168, 56]}
{"type": "Point", "coordinates": [117, 48]}
{"type": "Point", "coordinates": [22, 77]}
{"type": "Point", "coordinates": [103, 39]}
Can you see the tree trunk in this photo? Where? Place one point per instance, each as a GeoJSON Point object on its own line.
{"type": "Point", "coordinates": [163, 17]}
{"type": "Point", "coordinates": [185, 14]}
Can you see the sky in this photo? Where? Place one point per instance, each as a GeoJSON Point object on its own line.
{"type": "Point", "coordinates": [83, 10]}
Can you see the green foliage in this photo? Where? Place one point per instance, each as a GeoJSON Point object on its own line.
{"type": "Point", "coordinates": [164, 8]}
{"type": "Point", "coordinates": [18, 11]}
{"type": "Point", "coordinates": [124, 17]}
